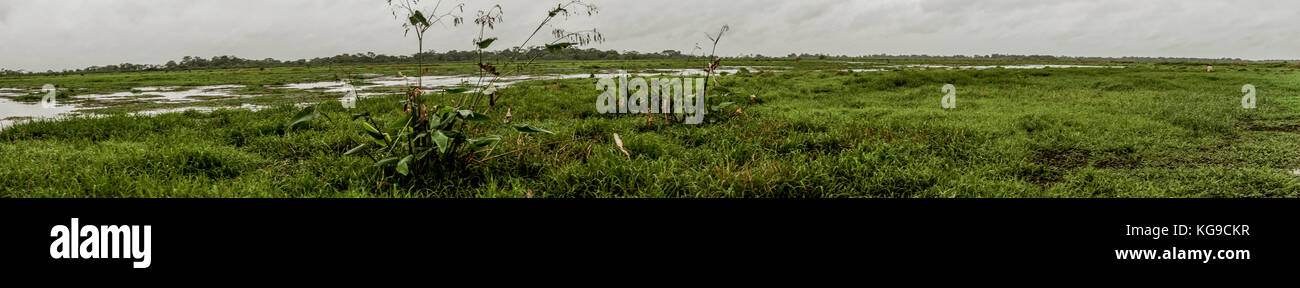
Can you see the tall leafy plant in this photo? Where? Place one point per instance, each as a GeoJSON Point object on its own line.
{"type": "Point", "coordinates": [490, 75]}
{"type": "Point", "coordinates": [711, 80]}
{"type": "Point", "coordinates": [451, 136]}
{"type": "Point", "coordinates": [418, 21]}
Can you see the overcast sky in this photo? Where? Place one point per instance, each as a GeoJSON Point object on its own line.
{"type": "Point", "coordinates": [59, 34]}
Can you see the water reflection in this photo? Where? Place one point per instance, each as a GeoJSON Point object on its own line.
{"type": "Point", "coordinates": [12, 112]}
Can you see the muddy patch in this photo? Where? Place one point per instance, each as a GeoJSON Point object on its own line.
{"type": "Point", "coordinates": [1065, 158]}
{"type": "Point", "coordinates": [202, 109]}
{"type": "Point", "coordinates": [1288, 128]}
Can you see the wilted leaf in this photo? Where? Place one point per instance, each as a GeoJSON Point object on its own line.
{"type": "Point", "coordinates": [556, 11]}
{"type": "Point", "coordinates": [418, 19]}
{"type": "Point", "coordinates": [489, 69]}
{"type": "Point", "coordinates": [619, 142]}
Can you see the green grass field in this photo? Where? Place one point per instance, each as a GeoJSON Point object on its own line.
{"type": "Point", "coordinates": [1148, 130]}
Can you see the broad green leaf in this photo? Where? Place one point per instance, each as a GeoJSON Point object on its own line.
{"type": "Point", "coordinates": [485, 43]}
{"type": "Point", "coordinates": [557, 47]}
{"type": "Point", "coordinates": [455, 90]}
{"type": "Point", "coordinates": [354, 151]}
{"type": "Point", "coordinates": [404, 166]}
{"type": "Point", "coordinates": [400, 124]}
{"type": "Point", "coordinates": [444, 110]}
{"type": "Point", "coordinates": [441, 140]}
{"type": "Point", "coordinates": [307, 114]}
{"type": "Point", "coordinates": [484, 142]}
{"type": "Point", "coordinates": [453, 134]}
{"type": "Point", "coordinates": [374, 133]}
{"type": "Point", "coordinates": [469, 115]}
{"type": "Point", "coordinates": [390, 161]}
{"type": "Point", "coordinates": [724, 105]}
{"type": "Point", "coordinates": [434, 121]}
{"type": "Point", "coordinates": [530, 129]}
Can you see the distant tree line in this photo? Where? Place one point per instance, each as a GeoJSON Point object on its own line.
{"type": "Point", "coordinates": [1067, 58]}
{"type": "Point", "coordinates": [232, 62]}
{"type": "Point", "coordinates": [1005, 57]}
{"type": "Point", "coordinates": [370, 58]}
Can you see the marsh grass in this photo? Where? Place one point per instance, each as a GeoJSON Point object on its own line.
{"type": "Point", "coordinates": [1145, 131]}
